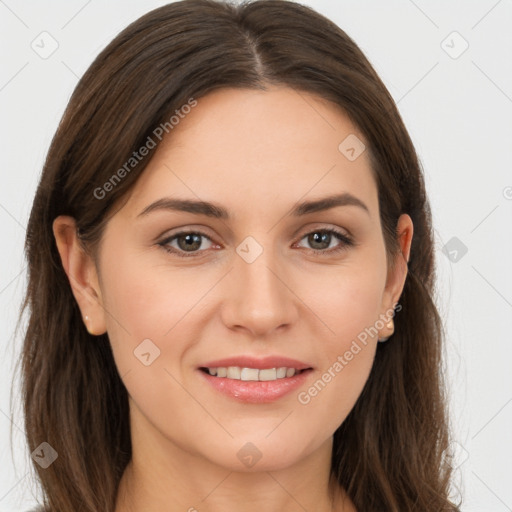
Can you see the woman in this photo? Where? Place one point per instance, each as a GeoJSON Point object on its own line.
{"type": "Point", "coordinates": [230, 215]}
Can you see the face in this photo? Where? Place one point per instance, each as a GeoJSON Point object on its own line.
{"type": "Point", "coordinates": [268, 284]}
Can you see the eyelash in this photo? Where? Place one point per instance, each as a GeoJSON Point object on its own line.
{"type": "Point", "coordinates": [347, 242]}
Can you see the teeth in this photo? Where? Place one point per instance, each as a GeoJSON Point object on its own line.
{"type": "Point", "coordinates": [234, 372]}
{"type": "Point", "coordinates": [238, 373]}
{"type": "Point", "coordinates": [249, 374]}
{"type": "Point", "coordinates": [268, 374]}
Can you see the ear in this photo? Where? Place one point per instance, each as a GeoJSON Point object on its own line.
{"type": "Point", "coordinates": [398, 273]}
{"type": "Point", "coordinates": [82, 274]}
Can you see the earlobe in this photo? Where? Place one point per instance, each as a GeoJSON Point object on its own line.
{"type": "Point", "coordinates": [81, 272]}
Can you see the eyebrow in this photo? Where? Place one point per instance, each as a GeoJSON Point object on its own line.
{"type": "Point", "coordinates": [218, 212]}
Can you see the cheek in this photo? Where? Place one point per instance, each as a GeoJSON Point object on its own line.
{"type": "Point", "coordinates": [331, 396]}
{"type": "Point", "coordinates": [149, 299]}
{"type": "Point", "coordinates": [149, 308]}
{"type": "Point", "coordinates": [346, 361]}
{"type": "Point", "coordinates": [146, 303]}
{"type": "Point", "coordinates": [346, 299]}
{"type": "Point", "coordinates": [350, 307]}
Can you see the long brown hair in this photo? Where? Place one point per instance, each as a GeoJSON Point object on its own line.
{"type": "Point", "coordinates": [390, 452]}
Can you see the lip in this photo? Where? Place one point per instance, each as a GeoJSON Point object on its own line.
{"type": "Point", "coordinates": [262, 363]}
{"type": "Point", "coordinates": [256, 392]}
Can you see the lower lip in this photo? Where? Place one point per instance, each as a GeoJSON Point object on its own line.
{"type": "Point", "coordinates": [253, 391]}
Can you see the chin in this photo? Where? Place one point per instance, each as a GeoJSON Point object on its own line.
{"type": "Point", "coordinates": [260, 455]}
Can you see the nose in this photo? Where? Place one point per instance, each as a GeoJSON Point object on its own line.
{"type": "Point", "coordinates": [259, 297]}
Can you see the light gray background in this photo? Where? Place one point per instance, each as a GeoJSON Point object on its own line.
{"type": "Point", "coordinates": [458, 112]}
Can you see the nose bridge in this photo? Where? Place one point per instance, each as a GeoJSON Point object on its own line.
{"type": "Point", "coordinates": [258, 298]}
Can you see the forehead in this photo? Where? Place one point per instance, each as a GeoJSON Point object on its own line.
{"type": "Point", "coordinates": [253, 149]}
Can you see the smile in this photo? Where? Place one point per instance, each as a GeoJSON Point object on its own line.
{"type": "Point", "coordinates": [252, 374]}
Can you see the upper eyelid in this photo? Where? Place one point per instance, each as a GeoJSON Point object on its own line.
{"type": "Point", "coordinates": [320, 226]}
{"type": "Point", "coordinates": [199, 231]}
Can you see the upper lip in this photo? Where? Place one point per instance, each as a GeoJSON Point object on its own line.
{"type": "Point", "coordinates": [258, 362]}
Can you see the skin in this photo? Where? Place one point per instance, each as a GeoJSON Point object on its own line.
{"type": "Point", "coordinates": [257, 153]}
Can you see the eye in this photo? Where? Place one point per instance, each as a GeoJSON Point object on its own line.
{"type": "Point", "coordinates": [187, 242]}
{"type": "Point", "coordinates": [321, 239]}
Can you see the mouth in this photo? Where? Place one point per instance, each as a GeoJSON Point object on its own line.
{"type": "Point", "coordinates": [253, 374]}
{"type": "Point", "coordinates": [255, 380]}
